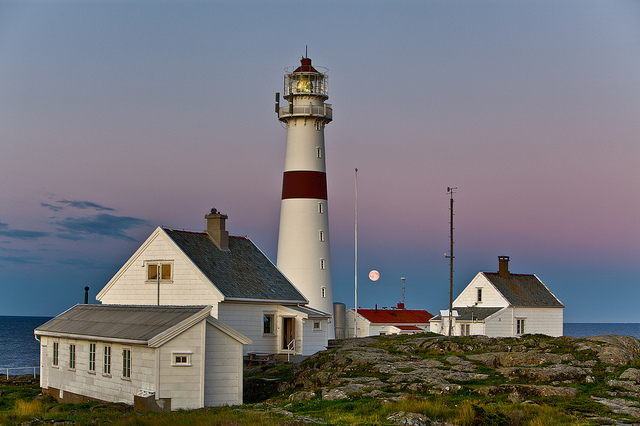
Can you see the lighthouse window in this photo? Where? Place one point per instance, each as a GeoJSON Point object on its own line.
{"type": "Point", "coordinates": [321, 235]}
{"type": "Point", "coordinates": [323, 291]}
{"type": "Point", "coordinates": [319, 152]}
{"type": "Point", "coordinates": [320, 208]}
{"type": "Point", "coordinates": [321, 263]}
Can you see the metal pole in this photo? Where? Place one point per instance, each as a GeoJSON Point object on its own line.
{"type": "Point", "coordinates": [355, 317]}
{"type": "Point", "coordinates": [403, 278]}
{"type": "Point", "coordinates": [451, 257]}
{"type": "Point", "coordinates": [158, 279]}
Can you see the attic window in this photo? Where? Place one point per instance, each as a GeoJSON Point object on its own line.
{"type": "Point", "coordinates": [479, 295]}
{"type": "Point", "coordinates": [165, 270]}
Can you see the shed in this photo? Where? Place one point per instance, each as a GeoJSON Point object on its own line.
{"type": "Point", "coordinates": [156, 357]}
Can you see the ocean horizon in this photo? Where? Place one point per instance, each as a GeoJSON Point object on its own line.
{"type": "Point", "coordinates": [20, 351]}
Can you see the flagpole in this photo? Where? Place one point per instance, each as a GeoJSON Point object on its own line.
{"type": "Point", "coordinates": [355, 318]}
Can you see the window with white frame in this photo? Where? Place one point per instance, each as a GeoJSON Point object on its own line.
{"type": "Point", "coordinates": [320, 208]}
{"type": "Point", "coordinates": [181, 359]}
{"type": "Point", "coordinates": [520, 326]}
{"type": "Point", "coordinates": [321, 235]}
{"type": "Point", "coordinates": [55, 360]}
{"type": "Point", "coordinates": [319, 152]}
{"type": "Point", "coordinates": [126, 363]}
{"type": "Point", "coordinates": [106, 361]}
{"type": "Point", "coordinates": [479, 295]}
{"type": "Point", "coordinates": [92, 357]}
{"type": "Point", "coordinates": [323, 291]}
{"type": "Point", "coordinates": [317, 326]}
{"type": "Point", "coordinates": [72, 356]}
{"type": "Point", "coordinates": [322, 264]}
{"type": "Point", "coordinates": [269, 323]}
{"type": "Point", "coordinates": [465, 329]}
{"type": "Point", "coordinates": [159, 270]}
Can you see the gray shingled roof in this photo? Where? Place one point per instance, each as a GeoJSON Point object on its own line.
{"type": "Point", "coordinates": [118, 321]}
{"type": "Point", "coordinates": [471, 313]}
{"type": "Point", "coordinates": [241, 272]}
{"type": "Point", "coordinates": [524, 290]}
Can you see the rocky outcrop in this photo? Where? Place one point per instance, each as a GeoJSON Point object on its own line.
{"type": "Point", "coordinates": [391, 368]}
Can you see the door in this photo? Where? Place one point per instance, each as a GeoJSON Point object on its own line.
{"type": "Point", "coordinates": [288, 331]}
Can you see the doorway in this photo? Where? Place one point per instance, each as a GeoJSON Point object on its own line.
{"type": "Point", "coordinates": [288, 327]}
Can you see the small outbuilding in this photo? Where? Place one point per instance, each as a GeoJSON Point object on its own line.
{"type": "Point", "coordinates": [380, 322]}
{"type": "Point", "coordinates": [154, 357]}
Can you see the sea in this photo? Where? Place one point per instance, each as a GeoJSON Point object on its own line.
{"type": "Point", "coordinates": [20, 351]}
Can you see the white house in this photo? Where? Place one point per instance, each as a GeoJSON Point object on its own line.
{"type": "Point", "coordinates": [155, 357]}
{"type": "Point", "coordinates": [245, 289]}
{"type": "Point", "coordinates": [380, 322]}
{"type": "Point", "coordinates": [499, 304]}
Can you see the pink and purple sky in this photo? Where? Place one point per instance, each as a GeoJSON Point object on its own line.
{"type": "Point", "coordinates": [120, 116]}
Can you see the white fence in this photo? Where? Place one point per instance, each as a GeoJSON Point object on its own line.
{"type": "Point", "coordinates": [6, 370]}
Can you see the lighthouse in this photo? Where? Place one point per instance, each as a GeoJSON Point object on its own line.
{"type": "Point", "coordinates": [303, 240]}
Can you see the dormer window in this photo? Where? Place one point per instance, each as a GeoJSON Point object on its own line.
{"type": "Point", "coordinates": [160, 270]}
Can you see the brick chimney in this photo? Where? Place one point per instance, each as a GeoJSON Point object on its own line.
{"type": "Point", "coordinates": [216, 229]}
{"type": "Point", "coordinates": [503, 266]}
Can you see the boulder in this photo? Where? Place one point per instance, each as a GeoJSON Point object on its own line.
{"type": "Point", "coordinates": [544, 374]}
{"type": "Point", "coordinates": [624, 384]}
{"type": "Point", "coordinates": [631, 374]}
{"type": "Point", "coordinates": [620, 406]}
{"type": "Point", "coordinates": [619, 350]}
{"type": "Point", "coordinates": [302, 396]}
{"type": "Point", "coordinates": [513, 359]}
{"type": "Point", "coordinates": [334, 394]}
{"type": "Point", "coordinates": [408, 419]}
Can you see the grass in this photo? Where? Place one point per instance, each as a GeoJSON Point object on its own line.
{"type": "Point", "coordinates": [461, 410]}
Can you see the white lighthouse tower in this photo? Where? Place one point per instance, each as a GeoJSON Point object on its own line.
{"type": "Point", "coordinates": [303, 242]}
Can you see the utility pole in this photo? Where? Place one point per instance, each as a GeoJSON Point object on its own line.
{"type": "Point", "coordinates": [450, 191]}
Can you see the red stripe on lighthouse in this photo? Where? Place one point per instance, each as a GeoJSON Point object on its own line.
{"type": "Point", "coordinates": [304, 184]}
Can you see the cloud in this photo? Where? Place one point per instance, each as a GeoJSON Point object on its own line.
{"type": "Point", "coordinates": [52, 207]}
{"type": "Point", "coordinates": [82, 205]}
{"type": "Point", "coordinates": [87, 264]}
{"type": "Point", "coordinates": [103, 225]}
{"type": "Point", "coordinates": [20, 234]}
{"type": "Point", "coordinates": [86, 205]}
{"type": "Point", "coordinates": [21, 260]}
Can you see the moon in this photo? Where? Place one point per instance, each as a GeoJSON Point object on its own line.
{"type": "Point", "coordinates": [374, 275]}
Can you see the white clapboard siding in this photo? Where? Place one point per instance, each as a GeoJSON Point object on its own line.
{"type": "Point", "coordinates": [223, 371]}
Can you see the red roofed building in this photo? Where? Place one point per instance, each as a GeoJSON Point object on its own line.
{"type": "Point", "coordinates": [379, 322]}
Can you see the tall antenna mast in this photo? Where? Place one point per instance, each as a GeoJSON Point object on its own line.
{"type": "Point", "coordinates": [355, 318]}
{"type": "Point", "coordinates": [450, 191]}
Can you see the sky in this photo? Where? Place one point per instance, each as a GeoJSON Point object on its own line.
{"type": "Point", "coordinates": [120, 116]}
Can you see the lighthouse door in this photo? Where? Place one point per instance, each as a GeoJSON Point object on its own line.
{"type": "Point", "coordinates": [289, 331]}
